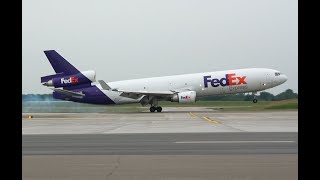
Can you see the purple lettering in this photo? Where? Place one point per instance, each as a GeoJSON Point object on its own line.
{"type": "Point", "coordinates": [226, 80]}
{"type": "Point", "coordinates": [206, 80]}
{"type": "Point", "coordinates": [215, 82]}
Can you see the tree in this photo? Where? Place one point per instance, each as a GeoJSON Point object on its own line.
{"type": "Point", "coordinates": [266, 96]}
{"type": "Point", "coordinates": [288, 94]}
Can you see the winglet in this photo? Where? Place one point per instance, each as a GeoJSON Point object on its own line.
{"type": "Point", "coordinates": [104, 85]}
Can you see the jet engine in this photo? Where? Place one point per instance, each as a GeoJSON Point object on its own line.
{"type": "Point", "coordinates": [184, 97]}
{"type": "Point", "coordinates": [72, 80]}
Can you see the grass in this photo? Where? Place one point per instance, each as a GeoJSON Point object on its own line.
{"type": "Point", "coordinates": [65, 107]}
{"type": "Point", "coordinates": [291, 104]}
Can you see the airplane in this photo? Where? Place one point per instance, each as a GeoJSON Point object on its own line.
{"type": "Point", "coordinates": [70, 84]}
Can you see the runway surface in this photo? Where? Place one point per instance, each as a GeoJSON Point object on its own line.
{"type": "Point", "coordinates": [160, 144]}
{"type": "Point", "coordinates": [187, 120]}
{"type": "Point", "coordinates": [181, 143]}
{"type": "Point", "coordinates": [161, 167]}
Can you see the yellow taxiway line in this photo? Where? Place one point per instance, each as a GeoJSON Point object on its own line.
{"type": "Point", "coordinates": [205, 118]}
{"type": "Point", "coordinates": [210, 120]}
{"type": "Point", "coordinates": [193, 115]}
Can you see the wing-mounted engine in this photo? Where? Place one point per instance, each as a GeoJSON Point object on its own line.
{"type": "Point", "coordinates": [184, 97]}
{"type": "Point", "coordinates": [61, 80]}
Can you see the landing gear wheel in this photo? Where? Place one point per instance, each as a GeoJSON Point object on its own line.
{"type": "Point", "coordinates": [255, 100]}
{"type": "Point", "coordinates": [152, 109]}
{"type": "Point", "coordinates": [159, 109]}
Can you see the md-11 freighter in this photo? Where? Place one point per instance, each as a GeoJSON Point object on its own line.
{"type": "Point", "coordinates": [73, 85]}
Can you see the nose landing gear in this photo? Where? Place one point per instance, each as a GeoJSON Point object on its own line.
{"type": "Point", "coordinates": [255, 100]}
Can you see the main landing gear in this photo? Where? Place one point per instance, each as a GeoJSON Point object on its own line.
{"type": "Point", "coordinates": [154, 105]}
{"type": "Point", "coordinates": [153, 109]}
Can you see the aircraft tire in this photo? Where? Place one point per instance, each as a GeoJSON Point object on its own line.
{"type": "Point", "coordinates": [152, 109]}
{"type": "Point", "coordinates": [159, 109]}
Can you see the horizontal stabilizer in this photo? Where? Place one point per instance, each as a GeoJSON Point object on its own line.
{"type": "Point", "coordinates": [69, 93]}
{"type": "Point", "coordinates": [50, 77]}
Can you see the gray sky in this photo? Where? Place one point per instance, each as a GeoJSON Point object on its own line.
{"type": "Point", "coordinates": [125, 39]}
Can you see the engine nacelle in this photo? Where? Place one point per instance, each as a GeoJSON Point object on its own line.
{"type": "Point", "coordinates": [184, 97]}
{"type": "Point", "coordinates": [72, 80]}
{"type": "Point", "coordinates": [91, 75]}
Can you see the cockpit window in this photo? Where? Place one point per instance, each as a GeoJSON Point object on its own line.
{"type": "Point", "coordinates": [277, 74]}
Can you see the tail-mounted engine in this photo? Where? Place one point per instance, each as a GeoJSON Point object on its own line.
{"type": "Point", "coordinates": [59, 80]}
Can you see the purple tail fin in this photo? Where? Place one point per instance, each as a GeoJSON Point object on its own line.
{"type": "Point", "coordinates": [67, 76]}
{"type": "Point", "coordinates": [59, 64]}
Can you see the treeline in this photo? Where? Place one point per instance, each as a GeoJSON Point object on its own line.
{"type": "Point", "coordinates": [264, 96]}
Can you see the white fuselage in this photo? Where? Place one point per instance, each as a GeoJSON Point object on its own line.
{"type": "Point", "coordinates": [204, 84]}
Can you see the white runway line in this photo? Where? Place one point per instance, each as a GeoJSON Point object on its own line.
{"type": "Point", "coordinates": [207, 142]}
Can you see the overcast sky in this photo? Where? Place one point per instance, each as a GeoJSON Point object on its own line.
{"type": "Point", "coordinates": [125, 39]}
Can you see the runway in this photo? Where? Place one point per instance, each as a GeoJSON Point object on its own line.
{"type": "Point", "coordinates": [161, 167]}
{"type": "Point", "coordinates": [187, 120]}
{"type": "Point", "coordinates": [161, 144]}
{"type": "Point", "coordinates": [182, 143]}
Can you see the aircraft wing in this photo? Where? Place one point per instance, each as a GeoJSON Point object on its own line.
{"type": "Point", "coordinates": [69, 93]}
{"type": "Point", "coordinates": [135, 94]}
{"type": "Point", "coordinates": [138, 94]}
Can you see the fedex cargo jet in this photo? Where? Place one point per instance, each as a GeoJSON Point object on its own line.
{"type": "Point", "coordinates": [73, 85]}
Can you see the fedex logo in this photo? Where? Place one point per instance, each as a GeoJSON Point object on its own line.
{"type": "Point", "coordinates": [70, 80]}
{"type": "Point", "coordinates": [185, 97]}
{"type": "Point", "coordinates": [228, 80]}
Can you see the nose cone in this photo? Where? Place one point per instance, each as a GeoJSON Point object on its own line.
{"type": "Point", "coordinates": [284, 78]}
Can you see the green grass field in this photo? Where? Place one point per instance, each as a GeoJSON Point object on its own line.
{"type": "Point", "coordinates": [62, 106]}
{"type": "Point", "coordinates": [291, 104]}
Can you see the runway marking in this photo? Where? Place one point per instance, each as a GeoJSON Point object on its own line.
{"type": "Point", "coordinates": [210, 120]}
{"type": "Point", "coordinates": [205, 118]}
{"type": "Point", "coordinates": [207, 142]}
{"type": "Point", "coordinates": [193, 115]}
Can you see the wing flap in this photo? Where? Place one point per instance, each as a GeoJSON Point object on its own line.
{"type": "Point", "coordinates": [131, 95]}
